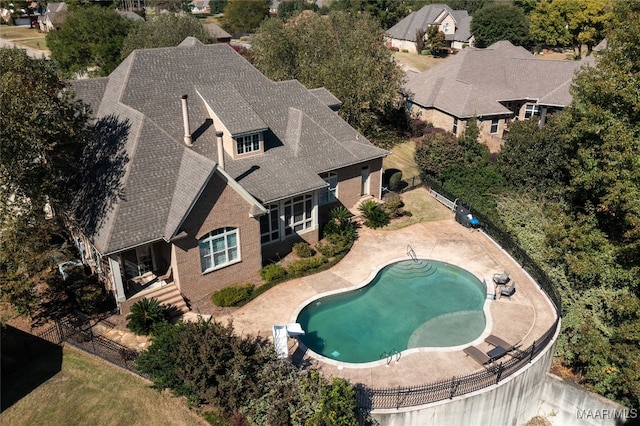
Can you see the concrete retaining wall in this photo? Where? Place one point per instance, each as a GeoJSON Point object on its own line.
{"type": "Point", "coordinates": [512, 402]}
{"type": "Point", "coordinates": [564, 403]}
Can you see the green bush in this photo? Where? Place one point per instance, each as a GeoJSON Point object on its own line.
{"type": "Point", "coordinates": [300, 266]}
{"type": "Point", "coordinates": [393, 205]}
{"type": "Point", "coordinates": [303, 249]}
{"type": "Point", "coordinates": [333, 245]}
{"type": "Point", "coordinates": [426, 52]}
{"type": "Point", "coordinates": [395, 181]}
{"type": "Point", "coordinates": [145, 315]}
{"type": "Point", "coordinates": [272, 272]}
{"type": "Point", "coordinates": [234, 295]}
{"type": "Point", "coordinates": [375, 217]}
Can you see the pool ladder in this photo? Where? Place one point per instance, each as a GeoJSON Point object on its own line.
{"type": "Point", "coordinates": [390, 355]}
{"type": "Point", "coordinates": [411, 253]}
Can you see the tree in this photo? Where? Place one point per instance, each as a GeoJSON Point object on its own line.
{"type": "Point", "coordinates": [43, 133]}
{"type": "Point", "coordinates": [386, 12]}
{"type": "Point", "coordinates": [90, 41]}
{"type": "Point", "coordinates": [495, 22]}
{"type": "Point", "coordinates": [244, 16]}
{"type": "Point", "coordinates": [341, 52]}
{"type": "Point", "coordinates": [420, 40]}
{"type": "Point", "coordinates": [290, 8]}
{"type": "Point", "coordinates": [436, 152]}
{"type": "Point", "coordinates": [217, 6]}
{"type": "Point", "coordinates": [153, 33]}
{"type": "Point", "coordinates": [571, 22]}
{"type": "Point", "coordinates": [436, 39]}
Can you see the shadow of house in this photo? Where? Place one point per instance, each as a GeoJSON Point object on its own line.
{"type": "Point", "coordinates": [27, 362]}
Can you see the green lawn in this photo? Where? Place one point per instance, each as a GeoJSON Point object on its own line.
{"type": "Point", "coordinates": [418, 62]}
{"type": "Point", "coordinates": [89, 391]}
{"type": "Point", "coordinates": [401, 158]}
{"type": "Point", "coordinates": [24, 36]}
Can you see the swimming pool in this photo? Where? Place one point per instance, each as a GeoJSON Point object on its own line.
{"type": "Point", "coordinates": [409, 304]}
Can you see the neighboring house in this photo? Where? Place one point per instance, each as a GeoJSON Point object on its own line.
{"type": "Point", "coordinates": [221, 170]}
{"type": "Point", "coordinates": [221, 35]}
{"type": "Point", "coordinates": [455, 24]}
{"type": "Point", "coordinates": [497, 85]}
{"type": "Point", "coordinates": [54, 17]}
{"type": "Point", "coordinates": [200, 6]}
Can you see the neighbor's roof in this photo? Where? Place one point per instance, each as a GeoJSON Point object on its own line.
{"type": "Point", "coordinates": [217, 31]}
{"type": "Point", "coordinates": [474, 81]}
{"type": "Point", "coordinates": [428, 15]}
{"type": "Point", "coordinates": [163, 176]}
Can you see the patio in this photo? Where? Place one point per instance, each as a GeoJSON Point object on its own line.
{"type": "Point", "coordinates": [522, 318]}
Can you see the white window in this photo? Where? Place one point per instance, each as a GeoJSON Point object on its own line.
{"type": "Point", "coordinates": [530, 110]}
{"type": "Point", "coordinates": [270, 225]}
{"type": "Point", "coordinates": [298, 214]}
{"type": "Point", "coordinates": [330, 193]}
{"type": "Point", "coordinates": [248, 143]}
{"type": "Point", "coordinates": [219, 248]}
{"type": "Point", "coordinates": [446, 27]}
{"type": "Point", "coordinates": [454, 129]}
{"type": "Point", "coordinates": [494, 126]}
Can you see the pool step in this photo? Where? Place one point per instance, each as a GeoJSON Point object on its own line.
{"type": "Point", "coordinates": [412, 269]}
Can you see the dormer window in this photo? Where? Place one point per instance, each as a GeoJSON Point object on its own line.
{"type": "Point", "coordinates": [446, 27]}
{"type": "Point", "coordinates": [248, 143]}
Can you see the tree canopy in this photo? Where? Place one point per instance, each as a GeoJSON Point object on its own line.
{"type": "Point", "coordinates": [341, 52]}
{"type": "Point", "coordinates": [571, 22]}
{"type": "Point", "coordinates": [155, 32]}
{"type": "Point", "coordinates": [495, 22]}
{"type": "Point", "coordinates": [244, 16]}
{"type": "Point", "coordinates": [89, 41]}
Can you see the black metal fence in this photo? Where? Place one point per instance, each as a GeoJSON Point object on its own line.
{"type": "Point", "coordinates": [78, 332]}
{"type": "Point", "coordinates": [389, 398]}
{"type": "Point", "coordinates": [394, 398]}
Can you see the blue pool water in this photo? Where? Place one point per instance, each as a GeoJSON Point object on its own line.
{"type": "Point", "coordinates": [409, 304]}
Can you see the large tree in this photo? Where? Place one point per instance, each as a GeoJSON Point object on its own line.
{"type": "Point", "coordinates": [43, 133]}
{"type": "Point", "coordinates": [89, 41]}
{"type": "Point", "coordinates": [244, 16]}
{"type": "Point", "coordinates": [387, 12]}
{"type": "Point", "coordinates": [571, 22]}
{"type": "Point", "coordinates": [342, 52]}
{"type": "Point", "coordinates": [154, 32]}
{"type": "Point", "coordinates": [495, 22]}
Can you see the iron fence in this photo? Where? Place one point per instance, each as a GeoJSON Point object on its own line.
{"type": "Point", "coordinates": [394, 398]}
{"type": "Point", "coordinates": [400, 397]}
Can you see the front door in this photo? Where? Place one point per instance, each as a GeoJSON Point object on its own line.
{"type": "Point", "coordinates": [364, 184]}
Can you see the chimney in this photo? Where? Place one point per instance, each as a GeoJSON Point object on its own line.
{"type": "Point", "coordinates": [220, 149]}
{"type": "Point", "coordinates": [185, 119]}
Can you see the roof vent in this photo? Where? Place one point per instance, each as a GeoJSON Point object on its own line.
{"type": "Point", "coordinates": [185, 119]}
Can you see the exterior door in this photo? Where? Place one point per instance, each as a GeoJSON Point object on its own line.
{"type": "Point", "coordinates": [364, 185]}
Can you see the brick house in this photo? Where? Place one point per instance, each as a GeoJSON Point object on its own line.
{"type": "Point", "coordinates": [455, 24]}
{"type": "Point", "coordinates": [497, 85]}
{"type": "Point", "coordinates": [220, 170]}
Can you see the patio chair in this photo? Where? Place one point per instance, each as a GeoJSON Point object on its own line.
{"type": "Point", "coordinates": [501, 279]}
{"type": "Point", "coordinates": [496, 341]}
{"type": "Point", "coordinates": [508, 290]}
{"type": "Point", "coordinates": [479, 356]}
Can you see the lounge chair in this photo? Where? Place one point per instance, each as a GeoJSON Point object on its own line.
{"type": "Point", "coordinates": [508, 290]}
{"type": "Point", "coordinates": [501, 279]}
{"type": "Point", "coordinates": [496, 341]}
{"type": "Point", "coordinates": [477, 354]}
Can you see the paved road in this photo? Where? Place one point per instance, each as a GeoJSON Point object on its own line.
{"type": "Point", "coordinates": [34, 53]}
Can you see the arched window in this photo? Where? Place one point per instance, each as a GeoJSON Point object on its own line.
{"type": "Point", "coordinates": [219, 248]}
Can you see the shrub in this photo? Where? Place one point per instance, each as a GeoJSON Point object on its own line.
{"type": "Point", "coordinates": [407, 213]}
{"type": "Point", "coordinates": [426, 52]}
{"type": "Point", "coordinates": [300, 266]}
{"type": "Point", "coordinates": [234, 295]}
{"type": "Point", "coordinates": [303, 249]}
{"type": "Point", "coordinates": [145, 314]}
{"type": "Point", "coordinates": [417, 127]}
{"type": "Point", "coordinates": [393, 205]}
{"type": "Point", "coordinates": [395, 182]}
{"type": "Point", "coordinates": [333, 245]}
{"type": "Point", "coordinates": [272, 272]}
{"type": "Point", "coordinates": [375, 217]}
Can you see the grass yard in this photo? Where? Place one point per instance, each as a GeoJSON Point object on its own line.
{"type": "Point", "coordinates": [24, 36]}
{"type": "Point", "coordinates": [401, 158]}
{"type": "Point", "coordinates": [423, 207]}
{"type": "Point", "coordinates": [86, 391]}
{"type": "Point", "coordinates": [418, 62]}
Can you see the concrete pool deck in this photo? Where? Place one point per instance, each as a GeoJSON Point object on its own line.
{"type": "Point", "coordinates": [522, 318]}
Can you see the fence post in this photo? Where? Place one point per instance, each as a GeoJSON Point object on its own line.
{"type": "Point", "coordinates": [454, 387]}
{"type": "Point", "coordinates": [499, 375]}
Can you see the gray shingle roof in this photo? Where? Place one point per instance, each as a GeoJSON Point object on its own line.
{"type": "Point", "coordinates": [406, 28]}
{"type": "Point", "coordinates": [163, 176]}
{"type": "Point", "coordinates": [475, 81]}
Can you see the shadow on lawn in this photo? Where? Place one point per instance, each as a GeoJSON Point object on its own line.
{"type": "Point", "coordinates": [27, 361]}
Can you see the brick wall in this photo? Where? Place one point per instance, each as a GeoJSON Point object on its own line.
{"type": "Point", "coordinates": [219, 206]}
